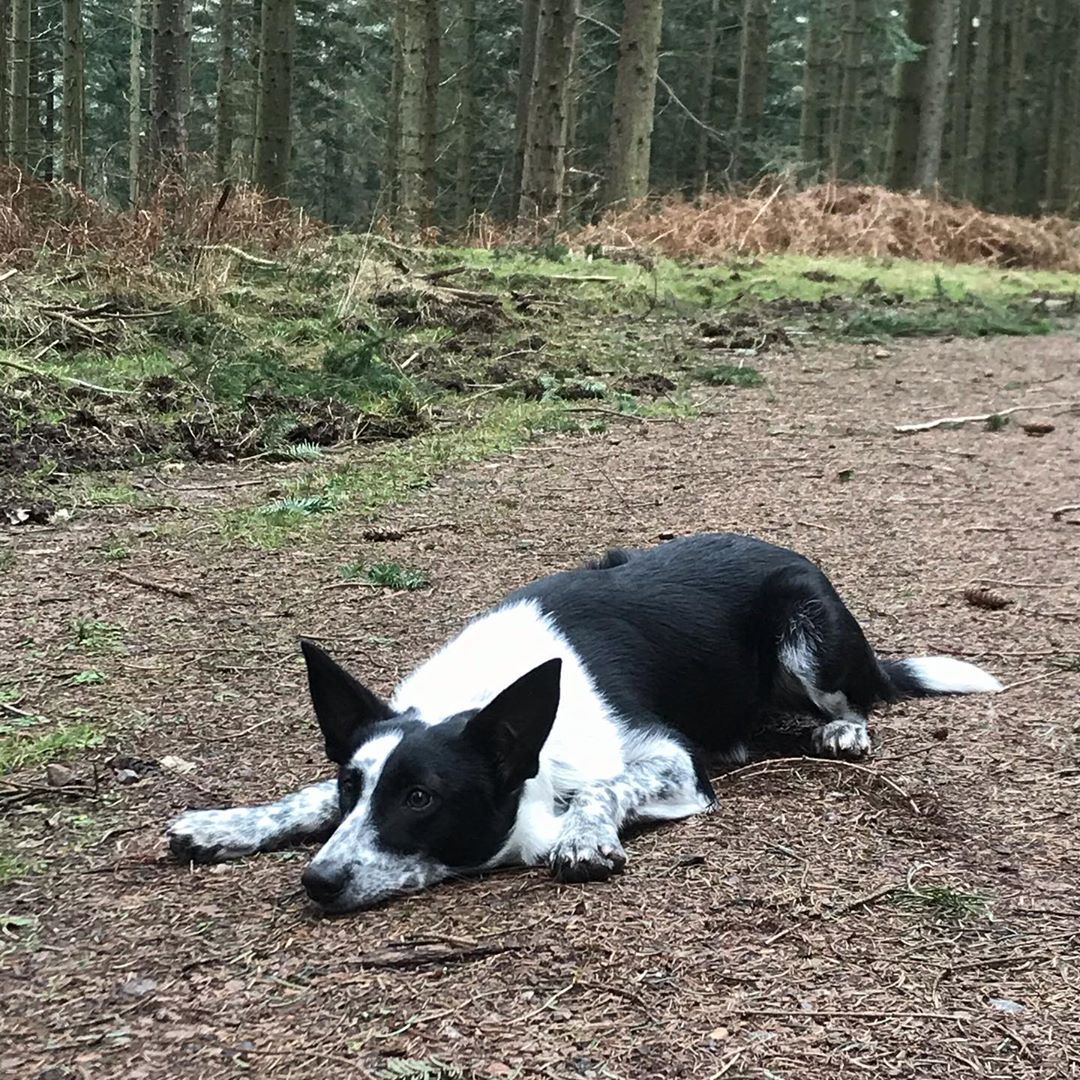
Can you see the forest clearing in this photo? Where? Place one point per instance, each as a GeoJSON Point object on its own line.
{"type": "Point", "coordinates": [340, 319]}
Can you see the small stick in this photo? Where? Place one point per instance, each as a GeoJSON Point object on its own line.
{"type": "Point", "coordinates": [958, 421]}
{"type": "Point", "coordinates": [56, 376]}
{"type": "Point", "coordinates": [266, 264]}
{"type": "Point", "coordinates": [862, 1014]}
{"type": "Point", "coordinates": [1058, 513]}
{"type": "Point", "coordinates": [1032, 679]}
{"type": "Point", "coordinates": [153, 586]}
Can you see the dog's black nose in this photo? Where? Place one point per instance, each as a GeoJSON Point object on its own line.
{"type": "Point", "coordinates": [324, 886]}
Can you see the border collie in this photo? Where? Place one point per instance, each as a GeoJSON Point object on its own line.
{"type": "Point", "coordinates": [579, 705]}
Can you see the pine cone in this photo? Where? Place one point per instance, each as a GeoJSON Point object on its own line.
{"type": "Point", "coordinates": [980, 597]}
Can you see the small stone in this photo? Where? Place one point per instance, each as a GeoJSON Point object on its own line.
{"type": "Point", "coordinates": [58, 775]}
{"type": "Point", "coordinates": [177, 765]}
{"type": "Point", "coordinates": [882, 354]}
{"type": "Point", "coordinates": [127, 776]}
{"type": "Point", "coordinates": [138, 987]}
{"type": "Point", "coordinates": [1005, 1005]}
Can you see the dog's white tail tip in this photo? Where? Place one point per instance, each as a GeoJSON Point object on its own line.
{"type": "Point", "coordinates": [944, 675]}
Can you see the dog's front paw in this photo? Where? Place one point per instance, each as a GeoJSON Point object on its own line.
{"type": "Point", "coordinates": [842, 739]}
{"type": "Point", "coordinates": [205, 836]}
{"type": "Point", "coordinates": [583, 857]}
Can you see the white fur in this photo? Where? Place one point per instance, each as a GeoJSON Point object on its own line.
{"type": "Point", "coordinates": [587, 744]}
{"type": "Point", "coordinates": [945, 675]}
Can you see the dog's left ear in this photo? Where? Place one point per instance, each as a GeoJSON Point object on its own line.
{"type": "Point", "coordinates": [515, 726]}
{"type": "Point", "coordinates": [343, 704]}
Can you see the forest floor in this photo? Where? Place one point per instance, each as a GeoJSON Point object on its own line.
{"type": "Point", "coordinates": [917, 916]}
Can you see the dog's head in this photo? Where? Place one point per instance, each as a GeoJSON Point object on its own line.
{"type": "Point", "coordinates": [420, 802]}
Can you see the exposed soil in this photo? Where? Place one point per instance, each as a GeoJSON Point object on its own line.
{"type": "Point", "coordinates": [820, 924]}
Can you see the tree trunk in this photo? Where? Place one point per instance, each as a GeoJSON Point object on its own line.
{"type": "Point", "coordinates": [135, 102]}
{"type": "Point", "coordinates": [817, 61]}
{"type": "Point", "coordinates": [225, 116]}
{"type": "Point", "coordinates": [5, 60]}
{"type": "Point", "coordinates": [1056, 153]}
{"type": "Point", "coordinates": [845, 135]}
{"type": "Point", "coordinates": [907, 110]}
{"type": "Point", "coordinates": [254, 63]}
{"type": "Point", "coordinates": [392, 162]}
{"type": "Point", "coordinates": [463, 201]}
{"type": "Point", "coordinates": [169, 50]}
{"type": "Point", "coordinates": [20, 82]}
{"type": "Point", "coordinates": [753, 80]}
{"type": "Point", "coordinates": [705, 98]}
{"type": "Point", "coordinates": [978, 123]}
{"type": "Point", "coordinates": [544, 167]}
{"type": "Point", "coordinates": [43, 102]}
{"type": "Point", "coordinates": [934, 106]}
{"type": "Point", "coordinates": [959, 97]}
{"type": "Point", "coordinates": [74, 60]}
{"type": "Point", "coordinates": [410, 181]}
{"type": "Point", "coordinates": [1071, 204]}
{"type": "Point", "coordinates": [1012, 137]}
{"type": "Point", "coordinates": [630, 140]}
{"type": "Point", "coordinates": [429, 130]}
{"type": "Point", "coordinates": [273, 112]}
{"type": "Point", "coordinates": [530, 13]}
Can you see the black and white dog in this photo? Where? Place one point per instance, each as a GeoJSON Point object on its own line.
{"type": "Point", "coordinates": [582, 703]}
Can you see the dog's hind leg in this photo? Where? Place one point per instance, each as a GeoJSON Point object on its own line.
{"type": "Point", "coordinates": [311, 813]}
{"type": "Point", "coordinates": [661, 784]}
{"type": "Point", "coordinates": [824, 654]}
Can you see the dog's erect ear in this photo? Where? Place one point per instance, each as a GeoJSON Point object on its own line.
{"type": "Point", "coordinates": [515, 726]}
{"type": "Point", "coordinates": [343, 704]}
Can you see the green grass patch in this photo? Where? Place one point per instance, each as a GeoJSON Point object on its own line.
{"type": "Point", "coordinates": [392, 575]}
{"type": "Point", "coordinates": [13, 867]}
{"type": "Point", "coordinates": [96, 635]}
{"type": "Point", "coordinates": [24, 750]}
{"type": "Point", "coordinates": [731, 375]}
{"type": "Point", "coordinates": [90, 677]}
{"type": "Point", "coordinates": [959, 319]}
{"type": "Point", "coordinates": [941, 901]}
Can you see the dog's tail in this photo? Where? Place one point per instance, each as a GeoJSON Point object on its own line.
{"type": "Point", "coordinates": [928, 676]}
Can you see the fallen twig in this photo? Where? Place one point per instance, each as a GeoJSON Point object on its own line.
{"type": "Point", "coordinates": [153, 586]}
{"type": "Point", "coordinates": [1059, 512]}
{"type": "Point", "coordinates": [255, 260]}
{"type": "Point", "coordinates": [56, 376]}
{"type": "Point", "coordinates": [439, 275]}
{"type": "Point", "coordinates": [982, 418]}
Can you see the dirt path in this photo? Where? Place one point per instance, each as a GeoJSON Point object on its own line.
{"type": "Point", "coordinates": [916, 919]}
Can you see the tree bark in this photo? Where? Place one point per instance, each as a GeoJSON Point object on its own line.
{"type": "Point", "coordinates": [225, 115]}
{"type": "Point", "coordinates": [907, 110]}
{"type": "Point", "coordinates": [410, 180]}
{"type": "Point", "coordinates": [168, 53]}
{"type": "Point", "coordinates": [429, 131]}
{"type": "Point", "coordinates": [5, 60]}
{"type": "Point", "coordinates": [530, 13]}
{"type": "Point", "coordinates": [934, 106]}
{"type": "Point", "coordinates": [392, 161]}
{"type": "Point", "coordinates": [273, 112]}
{"type": "Point", "coordinates": [959, 97]}
{"type": "Point", "coordinates": [1063, 57]}
{"type": "Point", "coordinates": [753, 80]}
{"type": "Point", "coordinates": [20, 82]}
{"type": "Point", "coordinates": [463, 200]}
{"type": "Point", "coordinates": [979, 120]}
{"type": "Point", "coordinates": [845, 145]}
{"type": "Point", "coordinates": [817, 62]}
{"type": "Point", "coordinates": [135, 102]}
{"type": "Point", "coordinates": [1071, 204]}
{"type": "Point", "coordinates": [630, 137]}
{"type": "Point", "coordinates": [73, 82]}
{"type": "Point", "coordinates": [544, 167]}
{"type": "Point", "coordinates": [705, 97]}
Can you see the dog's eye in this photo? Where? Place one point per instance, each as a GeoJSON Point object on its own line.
{"type": "Point", "coordinates": [418, 799]}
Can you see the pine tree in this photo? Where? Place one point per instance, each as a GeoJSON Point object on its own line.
{"type": "Point", "coordinates": [410, 175]}
{"type": "Point", "coordinates": [753, 79]}
{"type": "Point", "coordinates": [934, 106]}
{"type": "Point", "coordinates": [705, 96]}
{"type": "Point", "coordinates": [530, 15]}
{"type": "Point", "coordinates": [225, 113]}
{"type": "Point", "coordinates": [429, 129]}
{"type": "Point", "coordinates": [979, 118]}
{"type": "Point", "coordinates": [74, 60]}
{"type": "Point", "coordinates": [135, 102]}
{"type": "Point", "coordinates": [845, 148]}
{"type": "Point", "coordinates": [817, 64]}
{"type": "Point", "coordinates": [169, 54]}
{"type": "Point", "coordinates": [273, 113]}
{"type": "Point", "coordinates": [910, 82]}
{"type": "Point", "coordinates": [466, 121]}
{"type": "Point", "coordinates": [5, 98]}
{"type": "Point", "coordinates": [544, 166]}
{"type": "Point", "coordinates": [20, 82]}
{"type": "Point", "coordinates": [630, 140]}
{"type": "Point", "coordinates": [958, 105]}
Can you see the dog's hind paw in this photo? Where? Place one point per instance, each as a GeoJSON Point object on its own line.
{"type": "Point", "coordinates": [586, 859]}
{"type": "Point", "coordinates": [205, 836]}
{"type": "Point", "coordinates": [842, 739]}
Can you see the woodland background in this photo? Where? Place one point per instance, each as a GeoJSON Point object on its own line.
{"type": "Point", "coordinates": [428, 113]}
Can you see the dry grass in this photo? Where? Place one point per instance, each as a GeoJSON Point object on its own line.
{"type": "Point", "coordinates": [55, 217]}
{"type": "Point", "coordinates": [836, 220]}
